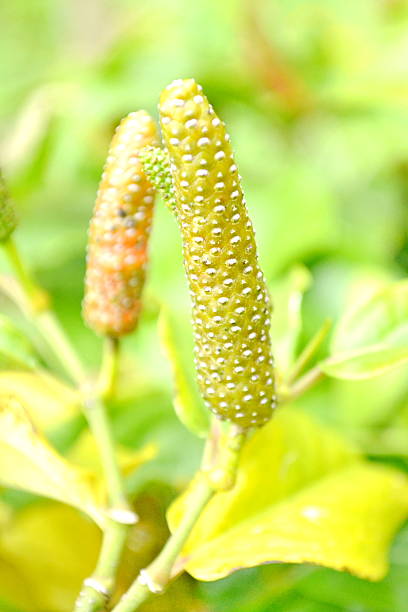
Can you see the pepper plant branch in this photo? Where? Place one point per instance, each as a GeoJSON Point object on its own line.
{"type": "Point", "coordinates": [51, 330]}
{"type": "Point", "coordinates": [97, 588]}
{"type": "Point", "coordinates": [109, 368]}
{"type": "Point", "coordinates": [44, 318]}
{"type": "Point", "coordinates": [309, 351]}
{"type": "Point", "coordinates": [118, 240]}
{"type": "Point", "coordinates": [98, 420]}
{"type": "Point", "coordinates": [217, 473]}
{"type": "Point", "coordinates": [303, 384]}
{"type": "Point", "coordinates": [37, 298]}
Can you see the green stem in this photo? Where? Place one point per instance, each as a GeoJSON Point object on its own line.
{"type": "Point", "coordinates": [95, 411]}
{"type": "Point", "coordinates": [51, 330]}
{"type": "Point", "coordinates": [37, 302]}
{"type": "Point", "coordinates": [36, 297]}
{"type": "Point", "coordinates": [217, 473]}
{"type": "Point", "coordinates": [221, 464]}
{"type": "Point", "coordinates": [156, 576]}
{"type": "Point", "coordinates": [309, 350]}
{"type": "Point", "coordinates": [304, 383]}
{"type": "Point", "coordinates": [97, 589]}
{"type": "Point", "coordinates": [109, 369]}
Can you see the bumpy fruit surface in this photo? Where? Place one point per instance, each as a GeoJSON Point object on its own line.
{"type": "Point", "coordinates": [8, 219]}
{"type": "Point", "coordinates": [119, 232]}
{"type": "Point", "coordinates": [156, 164]}
{"type": "Point", "coordinates": [231, 307]}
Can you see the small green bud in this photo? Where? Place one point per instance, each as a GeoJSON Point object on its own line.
{"type": "Point", "coordinates": [156, 165]}
{"type": "Point", "coordinates": [231, 307]}
{"type": "Point", "coordinates": [8, 218]}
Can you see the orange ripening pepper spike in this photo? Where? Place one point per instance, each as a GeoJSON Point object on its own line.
{"type": "Point", "coordinates": [119, 232]}
{"type": "Point", "coordinates": [231, 307]}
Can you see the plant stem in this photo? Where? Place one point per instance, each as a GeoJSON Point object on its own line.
{"type": "Point", "coordinates": [37, 298]}
{"type": "Point", "coordinates": [156, 576]}
{"type": "Point", "coordinates": [51, 330]}
{"type": "Point", "coordinates": [309, 350]}
{"type": "Point", "coordinates": [38, 303]}
{"type": "Point", "coordinates": [302, 384]}
{"type": "Point", "coordinates": [109, 368]}
{"type": "Point", "coordinates": [97, 589]}
{"type": "Point", "coordinates": [95, 411]}
{"type": "Point", "coordinates": [214, 476]}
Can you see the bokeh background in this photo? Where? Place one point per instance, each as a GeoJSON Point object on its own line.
{"type": "Point", "coordinates": [315, 97]}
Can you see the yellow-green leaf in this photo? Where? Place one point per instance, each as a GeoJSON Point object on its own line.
{"type": "Point", "coordinates": [187, 402]}
{"type": "Point", "coordinates": [46, 550]}
{"type": "Point", "coordinates": [85, 453]}
{"type": "Point", "coordinates": [16, 350]}
{"type": "Point", "coordinates": [10, 287]}
{"type": "Point", "coordinates": [372, 338]}
{"type": "Point", "coordinates": [28, 462]}
{"type": "Point", "coordinates": [365, 363]}
{"type": "Point", "coordinates": [286, 321]}
{"type": "Point", "coordinates": [48, 401]}
{"type": "Point", "coordinates": [302, 495]}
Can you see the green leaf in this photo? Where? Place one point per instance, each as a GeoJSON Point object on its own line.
{"type": "Point", "coordinates": [365, 363]}
{"type": "Point", "coordinates": [16, 350]}
{"type": "Point", "coordinates": [286, 321]}
{"type": "Point", "coordinates": [382, 317]}
{"type": "Point", "coordinates": [302, 495]}
{"type": "Point", "coordinates": [187, 402]}
{"type": "Point", "coordinates": [28, 462]}
{"type": "Point", "coordinates": [372, 338]}
{"type": "Point", "coordinates": [6, 607]}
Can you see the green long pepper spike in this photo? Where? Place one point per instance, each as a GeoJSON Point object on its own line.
{"type": "Point", "coordinates": [231, 307]}
{"type": "Point", "coordinates": [8, 218]}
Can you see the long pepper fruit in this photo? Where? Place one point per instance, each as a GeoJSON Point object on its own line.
{"type": "Point", "coordinates": [119, 232]}
{"type": "Point", "coordinates": [231, 307]}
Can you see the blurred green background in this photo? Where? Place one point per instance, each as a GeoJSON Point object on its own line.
{"type": "Point", "coordinates": [315, 97]}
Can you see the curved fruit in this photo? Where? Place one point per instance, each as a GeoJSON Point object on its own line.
{"type": "Point", "coordinates": [231, 307]}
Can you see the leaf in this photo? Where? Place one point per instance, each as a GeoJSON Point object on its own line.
{"type": "Point", "coordinates": [384, 316]}
{"type": "Point", "coordinates": [302, 495]}
{"type": "Point", "coordinates": [372, 338]}
{"type": "Point", "coordinates": [187, 401]}
{"type": "Point", "coordinates": [46, 550]}
{"type": "Point", "coordinates": [15, 350]}
{"type": "Point", "coordinates": [13, 589]}
{"type": "Point", "coordinates": [365, 363]}
{"type": "Point", "coordinates": [11, 288]}
{"type": "Point", "coordinates": [48, 401]}
{"type": "Point", "coordinates": [28, 462]}
{"type": "Point", "coordinates": [286, 321]}
{"type": "Point", "coordinates": [345, 592]}
{"type": "Point", "coordinates": [85, 453]}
